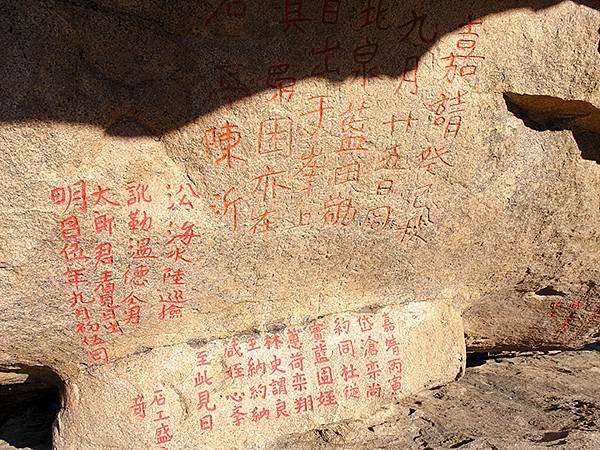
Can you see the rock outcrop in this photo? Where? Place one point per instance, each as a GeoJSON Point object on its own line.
{"type": "Point", "coordinates": [178, 176]}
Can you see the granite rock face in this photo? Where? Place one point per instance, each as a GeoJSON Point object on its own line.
{"type": "Point", "coordinates": [523, 402]}
{"type": "Point", "coordinates": [177, 176]}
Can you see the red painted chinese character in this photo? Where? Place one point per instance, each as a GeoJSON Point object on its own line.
{"type": "Point", "coordinates": [273, 341]}
{"type": "Point", "coordinates": [388, 324]}
{"type": "Point", "coordinates": [256, 367]}
{"type": "Point", "coordinates": [276, 365]}
{"type": "Point", "coordinates": [393, 121]}
{"type": "Point", "coordinates": [303, 404]}
{"type": "Point", "coordinates": [327, 398]}
{"type": "Point", "coordinates": [410, 73]}
{"type": "Point", "coordinates": [69, 228]}
{"type": "Point", "coordinates": [309, 170]}
{"type": "Point", "coordinates": [171, 304]}
{"type": "Point", "coordinates": [142, 223]}
{"type": "Point", "coordinates": [430, 157]}
{"type": "Point", "coordinates": [262, 223]}
{"type": "Point", "coordinates": [353, 128]}
{"type": "Point", "coordinates": [351, 392]}
{"type": "Point", "coordinates": [232, 348]}
{"type": "Point", "coordinates": [384, 187]}
{"type": "Point", "coordinates": [392, 345]}
{"type": "Point", "coordinates": [349, 372]}
{"type": "Point", "coordinates": [204, 401]}
{"type": "Point", "coordinates": [326, 53]}
{"type": "Point", "coordinates": [237, 415]}
{"type": "Point", "coordinates": [173, 276]}
{"type": "Point", "coordinates": [292, 15]}
{"type": "Point", "coordinates": [226, 205]}
{"type": "Point", "coordinates": [104, 254]}
{"type": "Point", "coordinates": [202, 378]}
{"type": "Point", "coordinates": [365, 323]}
{"type": "Point", "coordinates": [411, 25]}
{"type": "Point", "coordinates": [100, 194]}
{"type": "Point", "coordinates": [364, 55]}
{"type": "Point", "coordinates": [346, 348]}
{"type": "Point", "coordinates": [346, 174]}
{"type": "Point", "coordinates": [159, 398]}
{"type": "Point", "coordinates": [139, 406]}
{"type": "Point", "coordinates": [259, 391]}
{"type": "Point", "coordinates": [281, 409]}
{"type": "Point", "coordinates": [202, 358]}
{"type": "Point", "coordinates": [338, 211]}
{"type": "Point", "coordinates": [98, 355]}
{"type": "Point", "coordinates": [278, 386]}
{"type": "Point", "coordinates": [293, 336]}
{"type": "Point", "coordinates": [267, 183]}
{"type": "Point", "coordinates": [319, 112]}
{"type": "Point", "coordinates": [374, 390]}
{"type": "Point", "coordinates": [378, 218]}
{"type": "Point", "coordinates": [275, 136]}
{"type": "Point", "coordinates": [341, 326]}
{"type": "Point", "coordinates": [183, 196]}
{"type": "Point", "coordinates": [163, 434]}
{"type": "Point", "coordinates": [75, 277]}
{"type": "Point", "coordinates": [72, 251]}
{"type": "Point", "coordinates": [138, 193]}
{"type": "Point", "coordinates": [206, 422]}
{"type": "Point", "coordinates": [73, 193]}
{"type": "Point", "coordinates": [278, 80]}
{"type": "Point", "coordinates": [395, 365]}
{"type": "Point", "coordinates": [258, 415]}
{"type": "Point", "coordinates": [297, 361]}
{"type": "Point", "coordinates": [324, 375]}
{"type": "Point", "coordinates": [369, 346]}
{"type": "Point", "coordinates": [141, 249]}
{"type": "Point", "coordinates": [373, 370]}
{"type": "Point", "coordinates": [331, 11]}
{"type": "Point", "coordinates": [391, 160]}
{"type": "Point", "coordinates": [374, 14]}
{"type": "Point", "coordinates": [228, 138]}
{"type": "Point", "coordinates": [230, 9]}
{"type": "Point", "coordinates": [299, 382]}
{"type": "Point", "coordinates": [137, 277]}
{"type": "Point", "coordinates": [185, 236]}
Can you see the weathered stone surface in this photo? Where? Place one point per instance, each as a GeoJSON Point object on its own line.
{"type": "Point", "coordinates": [421, 160]}
{"type": "Point", "coordinates": [245, 392]}
{"type": "Point", "coordinates": [527, 402]}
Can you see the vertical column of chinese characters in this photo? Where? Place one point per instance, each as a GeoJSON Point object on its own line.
{"type": "Point", "coordinates": [141, 253]}
{"type": "Point", "coordinates": [348, 367]}
{"type": "Point", "coordinates": [104, 291]}
{"type": "Point", "coordinates": [391, 164]}
{"type": "Point", "coordinates": [179, 238]}
{"type": "Point", "coordinates": [339, 210]}
{"type": "Point", "coordinates": [312, 161]}
{"type": "Point", "coordinates": [325, 385]}
{"type": "Point", "coordinates": [392, 354]}
{"type": "Point", "coordinates": [275, 138]}
{"type": "Point", "coordinates": [256, 372]}
{"type": "Point", "coordinates": [162, 432]}
{"type": "Point", "coordinates": [278, 376]}
{"type": "Point", "coordinates": [450, 104]}
{"type": "Point", "coordinates": [370, 350]}
{"type": "Point", "coordinates": [234, 370]}
{"type": "Point", "coordinates": [303, 401]}
{"type": "Point", "coordinates": [75, 196]}
{"type": "Point", "coordinates": [202, 382]}
{"type": "Point", "coordinates": [221, 147]}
